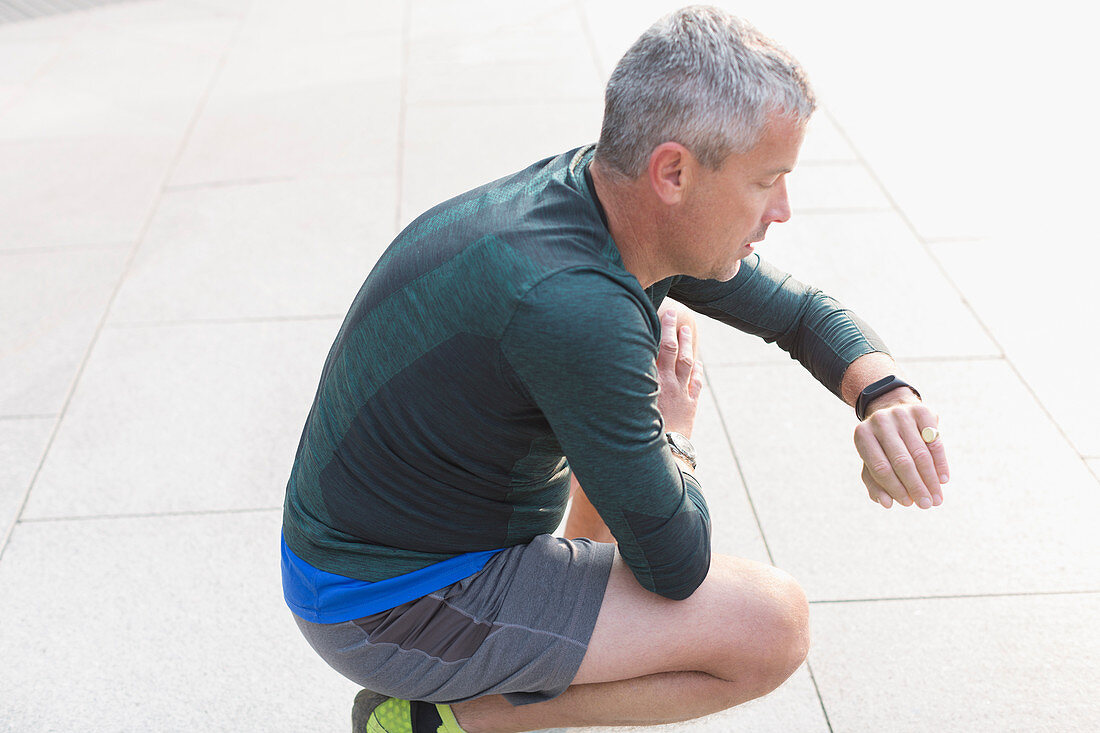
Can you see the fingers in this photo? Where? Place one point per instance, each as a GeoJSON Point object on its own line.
{"type": "Point", "coordinates": [879, 465]}
{"type": "Point", "coordinates": [876, 492]}
{"type": "Point", "coordinates": [677, 349]}
{"type": "Point", "coordinates": [897, 461]}
{"type": "Point", "coordinates": [670, 344]}
{"type": "Point", "coordinates": [695, 388]}
{"type": "Point", "coordinates": [939, 458]}
{"type": "Point", "coordinates": [925, 490]}
{"type": "Point", "coordinates": [684, 359]}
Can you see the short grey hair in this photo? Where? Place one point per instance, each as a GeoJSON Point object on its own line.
{"type": "Point", "coordinates": [703, 78]}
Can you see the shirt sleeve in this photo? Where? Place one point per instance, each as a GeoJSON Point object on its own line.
{"type": "Point", "coordinates": [583, 346]}
{"type": "Point", "coordinates": [812, 327]}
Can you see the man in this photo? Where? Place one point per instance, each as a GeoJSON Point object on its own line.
{"type": "Point", "coordinates": [508, 344]}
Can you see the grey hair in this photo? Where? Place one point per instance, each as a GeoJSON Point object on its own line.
{"type": "Point", "coordinates": [703, 78]}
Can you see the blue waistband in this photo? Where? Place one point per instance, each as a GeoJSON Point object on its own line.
{"type": "Point", "coordinates": [327, 598]}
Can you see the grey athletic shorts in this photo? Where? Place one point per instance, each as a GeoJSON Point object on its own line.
{"type": "Point", "coordinates": [519, 627]}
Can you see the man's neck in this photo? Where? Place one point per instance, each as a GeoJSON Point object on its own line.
{"type": "Point", "coordinates": [635, 234]}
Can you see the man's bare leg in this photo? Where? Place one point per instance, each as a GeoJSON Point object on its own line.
{"type": "Point", "coordinates": [583, 519]}
{"type": "Point", "coordinates": [652, 660]}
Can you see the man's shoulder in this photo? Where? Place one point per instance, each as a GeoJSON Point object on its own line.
{"type": "Point", "coordinates": [540, 188]}
{"type": "Point", "coordinates": [540, 220]}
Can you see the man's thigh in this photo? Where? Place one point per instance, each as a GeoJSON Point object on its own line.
{"type": "Point", "coordinates": [744, 617]}
{"type": "Point", "coordinates": [519, 628]}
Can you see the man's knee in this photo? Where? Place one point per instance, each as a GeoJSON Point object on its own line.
{"type": "Point", "coordinates": [776, 620]}
{"type": "Point", "coordinates": [786, 623]}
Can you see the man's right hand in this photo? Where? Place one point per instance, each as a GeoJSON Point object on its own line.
{"type": "Point", "coordinates": [680, 379]}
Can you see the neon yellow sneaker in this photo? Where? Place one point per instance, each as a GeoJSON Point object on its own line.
{"type": "Point", "coordinates": [374, 713]}
{"type": "Point", "coordinates": [365, 703]}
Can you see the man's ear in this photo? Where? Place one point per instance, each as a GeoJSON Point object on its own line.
{"type": "Point", "coordinates": [670, 172]}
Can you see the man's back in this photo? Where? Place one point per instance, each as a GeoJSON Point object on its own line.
{"type": "Point", "coordinates": [431, 432]}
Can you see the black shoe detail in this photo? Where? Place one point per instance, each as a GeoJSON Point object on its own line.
{"type": "Point", "coordinates": [425, 717]}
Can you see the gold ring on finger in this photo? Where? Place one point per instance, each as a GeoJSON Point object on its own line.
{"type": "Point", "coordinates": [930, 435]}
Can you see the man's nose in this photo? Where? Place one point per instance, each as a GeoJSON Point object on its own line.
{"type": "Point", "coordinates": [779, 208]}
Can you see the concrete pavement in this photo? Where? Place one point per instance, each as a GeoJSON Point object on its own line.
{"type": "Point", "coordinates": [192, 191]}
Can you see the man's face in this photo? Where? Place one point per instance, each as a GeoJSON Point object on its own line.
{"type": "Point", "coordinates": [731, 208]}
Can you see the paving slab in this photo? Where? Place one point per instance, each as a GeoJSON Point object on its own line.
{"type": "Point", "coordinates": [443, 19]}
{"type": "Point", "coordinates": [107, 80]}
{"type": "Point", "coordinates": [21, 61]}
{"type": "Point", "coordinates": [1043, 319]}
{"type": "Point", "coordinates": [912, 306]}
{"type": "Point", "coordinates": [9, 93]}
{"type": "Point", "coordinates": [733, 525]}
{"type": "Point", "coordinates": [157, 623]}
{"type": "Point", "coordinates": [504, 32]}
{"type": "Point", "coordinates": [1021, 663]}
{"type": "Point", "coordinates": [287, 248]}
{"type": "Point", "coordinates": [310, 105]}
{"type": "Point", "coordinates": [614, 26]}
{"type": "Point", "coordinates": [824, 143]}
{"type": "Point", "coordinates": [184, 418]}
{"type": "Point", "coordinates": [265, 65]}
{"type": "Point", "coordinates": [321, 131]}
{"type": "Point", "coordinates": [450, 149]}
{"type": "Point", "coordinates": [793, 707]}
{"type": "Point", "coordinates": [54, 192]}
{"type": "Point", "coordinates": [492, 81]}
{"type": "Point", "coordinates": [840, 186]}
{"type": "Point", "coordinates": [953, 162]}
{"type": "Point", "coordinates": [50, 27]}
{"type": "Point", "coordinates": [907, 114]}
{"type": "Point", "coordinates": [50, 305]}
{"type": "Point", "coordinates": [143, 15]}
{"type": "Point", "coordinates": [1019, 513]}
{"type": "Point", "coordinates": [294, 20]}
{"type": "Point", "coordinates": [22, 442]}
{"type": "Point", "coordinates": [507, 53]}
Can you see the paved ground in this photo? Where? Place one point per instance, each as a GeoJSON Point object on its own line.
{"type": "Point", "coordinates": [191, 192]}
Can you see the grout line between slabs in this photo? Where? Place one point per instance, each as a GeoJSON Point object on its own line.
{"type": "Point", "coordinates": [54, 248]}
{"type": "Point", "coordinates": [976, 358]}
{"type": "Point", "coordinates": [756, 518]}
{"type": "Point", "coordinates": [737, 461]}
{"type": "Point", "coordinates": [947, 275]}
{"type": "Point", "coordinates": [586, 28]}
{"type": "Point", "coordinates": [402, 113]}
{"type": "Point", "coordinates": [227, 183]}
{"type": "Point", "coordinates": [53, 415]}
{"type": "Point", "coordinates": [820, 699]}
{"type": "Point", "coordinates": [5, 538]}
{"type": "Point", "coordinates": [419, 104]}
{"type": "Point", "coordinates": [147, 515]}
{"type": "Point", "coordinates": [958, 596]}
{"type": "Point", "coordinates": [224, 321]}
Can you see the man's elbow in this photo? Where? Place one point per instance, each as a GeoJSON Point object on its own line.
{"type": "Point", "coordinates": [685, 583]}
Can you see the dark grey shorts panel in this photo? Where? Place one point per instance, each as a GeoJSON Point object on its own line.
{"type": "Point", "coordinates": [519, 627]}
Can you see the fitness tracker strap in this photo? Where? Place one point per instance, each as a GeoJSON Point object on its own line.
{"type": "Point", "coordinates": [874, 390]}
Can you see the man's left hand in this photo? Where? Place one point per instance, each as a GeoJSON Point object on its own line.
{"type": "Point", "coordinates": [897, 464]}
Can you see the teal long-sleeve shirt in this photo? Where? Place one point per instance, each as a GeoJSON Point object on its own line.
{"type": "Point", "coordinates": [498, 344]}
